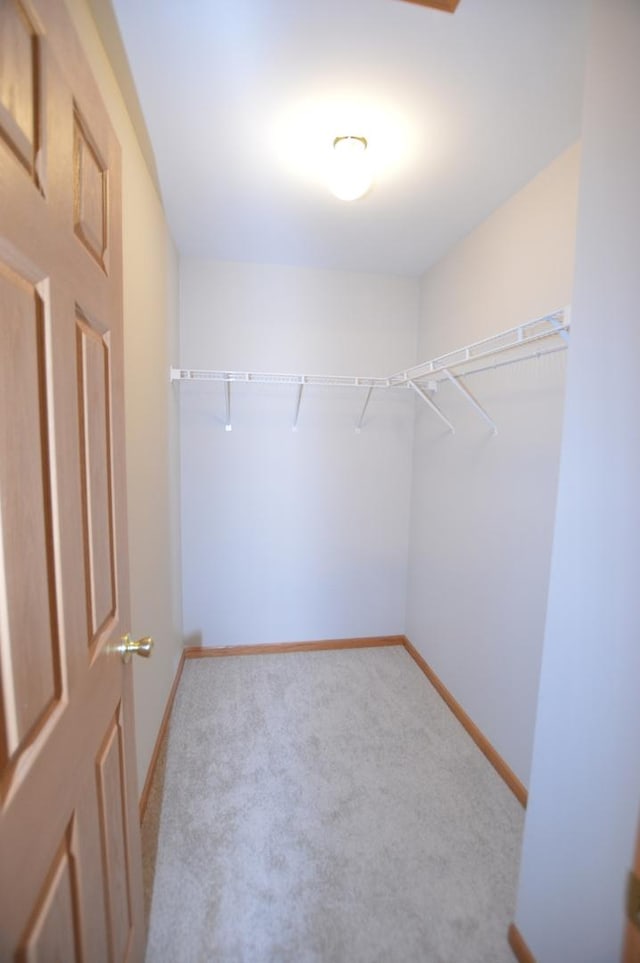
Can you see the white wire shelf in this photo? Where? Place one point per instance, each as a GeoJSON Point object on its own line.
{"type": "Point", "coordinates": [266, 377]}
{"type": "Point", "coordinates": [515, 339]}
{"type": "Point", "coordinates": [424, 378]}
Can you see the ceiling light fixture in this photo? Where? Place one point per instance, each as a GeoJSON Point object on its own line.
{"type": "Point", "coordinates": [351, 174]}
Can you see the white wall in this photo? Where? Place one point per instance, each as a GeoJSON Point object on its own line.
{"type": "Point", "coordinates": [150, 335]}
{"type": "Point", "coordinates": [294, 536]}
{"type": "Point", "coordinates": [585, 791]}
{"type": "Point", "coordinates": [483, 506]}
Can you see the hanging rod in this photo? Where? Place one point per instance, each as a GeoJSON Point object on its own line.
{"type": "Point", "coordinates": [493, 366]}
{"type": "Point", "coordinates": [436, 371]}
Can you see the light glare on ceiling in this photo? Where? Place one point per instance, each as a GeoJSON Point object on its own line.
{"type": "Point", "coordinates": [302, 134]}
{"type": "Point", "coordinates": [351, 173]}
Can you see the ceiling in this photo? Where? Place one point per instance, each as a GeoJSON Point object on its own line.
{"type": "Point", "coordinates": [242, 101]}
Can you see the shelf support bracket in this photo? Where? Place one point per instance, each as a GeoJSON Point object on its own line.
{"type": "Point", "coordinates": [364, 409]}
{"type": "Point", "coordinates": [462, 388]}
{"type": "Point", "coordinates": [227, 405]}
{"type": "Point", "coordinates": [427, 400]}
{"type": "Point", "coordinates": [553, 320]}
{"type": "Point", "coordinates": [294, 427]}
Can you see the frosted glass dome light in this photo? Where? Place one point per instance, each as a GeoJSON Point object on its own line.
{"type": "Point", "coordinates": [351, 173]}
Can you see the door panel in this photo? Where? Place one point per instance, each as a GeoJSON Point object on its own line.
{"type": "Point", "coordinates": [19, 82]}
{"type": "Point", "coordinates": [94, 403]}
{"type": "Point", "coordinates": [53, 932]}
{"type": "Point", "coordinates": [90, 184]}
{"type": "Point", "coordinates": [70, 873]}
{"type": "Point", "coordinates": [110, 769]}
{"type": "Point", "coordinates": [31, 658]}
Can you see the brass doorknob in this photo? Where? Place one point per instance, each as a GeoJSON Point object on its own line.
{"type": "Point", "coordinates": [129, 646]}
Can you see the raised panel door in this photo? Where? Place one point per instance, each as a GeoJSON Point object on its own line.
{"type": "Point", "coordinates": [70, 872]}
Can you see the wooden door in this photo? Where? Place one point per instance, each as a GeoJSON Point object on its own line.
{"type": "Point", "coordinates": [631, 953]}
{"type": "Point", "coordinates": [70, 874]}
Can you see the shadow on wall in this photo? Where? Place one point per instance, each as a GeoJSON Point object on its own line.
{"type": "Point", "coordinates": [193, 639]}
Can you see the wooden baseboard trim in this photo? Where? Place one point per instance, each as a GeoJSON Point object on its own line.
{"type": "Point", "coordinates": [274, 648]}
{"type": "Point", "coordinates": [520, 949]}
{"type": "Point", "coordinates": [144, 798]}
{"type": "Point", "coordinates": [496, 760]}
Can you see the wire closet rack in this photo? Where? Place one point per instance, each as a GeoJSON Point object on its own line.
{"type": "Point", "coordinates": [508, 347]}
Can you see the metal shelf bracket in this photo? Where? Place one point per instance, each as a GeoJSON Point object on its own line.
{"type": "Point", "coordinates": [462, 388]}
{"type": "Point", "coordinates": [298, 400]}
{"type": "Point", "coordinates": [364, 409]}
{"type": "Point", "coordinates": [427, 400]}
{"type": "Point", "coordinates": [227, 405]}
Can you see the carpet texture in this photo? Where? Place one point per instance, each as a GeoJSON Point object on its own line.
{"type": "Point", "coordinates": [327, 807]}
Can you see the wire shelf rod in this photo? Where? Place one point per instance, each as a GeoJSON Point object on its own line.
{"type": "Point", "coordinates": [555, 324]}
{"type": "Point", "coordinates": [267, 377]}
{"type": "Point", "coordinates": [532, 356]}
{"type": "Point", "coordinates": [513, 339]}
{"type": "Point", "coordinates": [437, 370]}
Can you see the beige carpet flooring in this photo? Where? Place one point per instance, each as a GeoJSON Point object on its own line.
{"type": "Point", "coordinates": [326, 807]}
